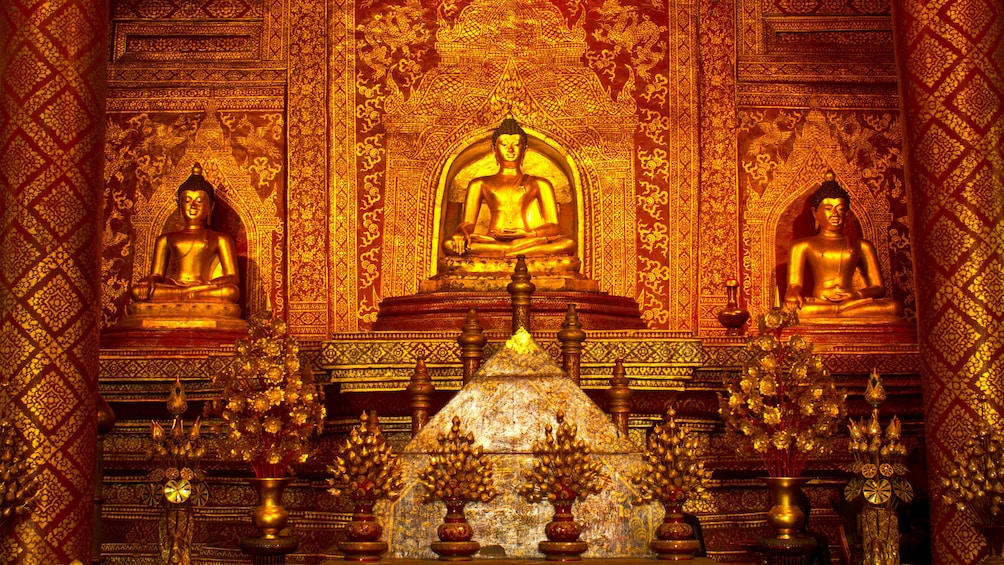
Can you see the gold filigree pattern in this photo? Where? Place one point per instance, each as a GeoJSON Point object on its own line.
{"type": "Point", "coordinates": [309, 190]}
{"type": "Point", "coordinates": [52, 131]}
{"type": "Point", "coordinates": [945, 49]}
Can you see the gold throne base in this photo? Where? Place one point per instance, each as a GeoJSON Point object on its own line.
{"type": "Point", "coordinates": [492, 274]}
{"type": "Point", "coordinates": [176, 324]}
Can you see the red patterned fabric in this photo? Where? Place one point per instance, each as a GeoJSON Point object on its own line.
{"type": "Point", "coordinates": [952, 73]}
{"type": "Point", "coordinates": [52, 61]}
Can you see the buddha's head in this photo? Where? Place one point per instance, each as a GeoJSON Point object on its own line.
{"type": "Point", "coordinates": [509, 141]}
{"type": "Point", "coordinates": [830, 204]}
{"type": "Point", "coordinates": [196, 198]}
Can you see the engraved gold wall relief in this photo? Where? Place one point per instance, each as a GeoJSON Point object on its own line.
{"type": "Point", "coordinates": [719, 194]}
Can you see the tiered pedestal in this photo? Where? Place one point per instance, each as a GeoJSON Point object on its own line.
{"type": "Point", "coordinates": [851, 331]}
{"type": "Point", "coordinates": [446, 311]}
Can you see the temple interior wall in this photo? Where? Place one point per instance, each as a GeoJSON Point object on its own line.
{"type": "Point", "coordinates": [697, 129]}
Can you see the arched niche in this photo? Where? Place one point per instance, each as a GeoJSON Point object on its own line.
{"type": "Point", "coordinates": [472, 157]}
{"type": "Point", "coordinates": [771, 218]}
{"type": "Point", "coordinates": [231, 215]}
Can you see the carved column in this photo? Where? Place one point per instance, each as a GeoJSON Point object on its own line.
{"type": "Point", "coordinates": [571, 337]}
{"type": "Point", "coordinates": [472, 345]}
{"type": "Point", "coordinates": [619, 395]}
{"type": "Point", "coordinates": [420, 390]}
{"type": "Point", "coordinates": [52, 74]}
{"type": "Point", "coordinates": [520, 290]}
{"type": "Point", "coordinates": [951, 65]}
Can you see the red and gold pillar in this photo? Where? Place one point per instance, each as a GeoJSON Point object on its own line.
{"type": "Point", "coordinates": [951, 63]}
{"type": "Point", "coordinates": [52, 74]}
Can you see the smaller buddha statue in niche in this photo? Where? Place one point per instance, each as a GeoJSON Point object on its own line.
{"type": "Point", "coordinates": [510, 195]}
{"type": "Point", "coordinates": [196, 263]}
{"type": "Point", "coordinates": [833, 258]}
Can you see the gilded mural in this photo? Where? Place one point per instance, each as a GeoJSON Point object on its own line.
{"type": "Point", "coordinates": [605, 99]}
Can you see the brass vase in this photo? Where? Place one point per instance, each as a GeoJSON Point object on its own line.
{"type": "Point", "coordinates": [732, 316]}
{"type": "Point", "coordinates": [562, 536]}
{"type": "Point", "coordinates": [455, 534]}
{"type": "Point", "coordinates": [790, 545]}
{"type": "Point", "coordinates": [995, 539]}
{"type": "Point", "coordinates": [270, 518]}
{"type": "Point", "coordinates": [674, 537]}
{"type": "Point", "coordinates": [362, 536]}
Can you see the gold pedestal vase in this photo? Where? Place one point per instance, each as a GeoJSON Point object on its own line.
{"type": "Point", "coordinates": [880, 535]}
{"type": "Point", "coordinates": [270, 517]}
{"type": "Point", "coordinates": [674, 537]}
{"type": "Point", "coordinates": [790, 546]}
{"type": "Point", "coordinates": [455, 535]}
{"type": "Point", "coordinates": [562, 536]}
{"type": "Point", "coordinates": [362, 536]}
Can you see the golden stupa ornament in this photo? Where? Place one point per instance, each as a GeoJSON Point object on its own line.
{"type": "Point", "coordinates": [370, 471]}
{"type": "Point", "coordinates": [563, 471]}
{"type": "Point", "coordinates": [458, 472]}
{"type": "Point", "coordinates": [17, 491]}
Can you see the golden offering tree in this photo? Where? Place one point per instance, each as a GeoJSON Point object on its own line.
{"type": "Point", "coordinates": [975, 485]}
{"type": "Point", "coordinates": [783, 403]}
{"type": "Point", "coordinates": [269, 403]}
{"type": "Point", "coordinates": [458, 470]}
{"type": "Point", "coordinates": [17, 492]}
{"type": "Point", "coordinates": [367, 464]}
{"type": "Point", "coordinates": [674, 472]}
{"type": "Point", "coordinates": [563, 470]}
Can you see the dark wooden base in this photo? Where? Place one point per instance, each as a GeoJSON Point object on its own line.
{"type": "Point", "coordinates": [455, 550]}
{"type": "Point", "coordinates": [446, 311]}
{"type": "Point", "coordinates": [563, 550]}
{"type": "Point", "coordinates": [675, 550]}
{"type": "Point", "coordinates": [362, 550]}
{"type": "Point", "coordinates": [269, 551]}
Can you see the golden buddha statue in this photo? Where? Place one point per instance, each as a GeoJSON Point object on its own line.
{"type": "Point", "coordinates": [510, 195]}
{"type": "Point", "coordinates": [204, 260]}
{"type": "Point", "coordinates": [833, 259]}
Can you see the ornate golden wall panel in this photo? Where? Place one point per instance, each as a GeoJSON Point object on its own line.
{"type": "Point", "coordinates": [719, 198]}
{"type": "Point", "coordinates": [784, 154]}
{"type": "Point", "coordinates": [388, 133]}
{"type": "Point", "coordinates": [312, 294]}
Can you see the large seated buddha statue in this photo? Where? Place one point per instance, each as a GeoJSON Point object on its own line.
{"type": "Point", "coordinates": [833, 258]}
{"type": "Point", "coordinates": [509, 195]}
{"type": "Point", "coordinates": [193, 281]}
{"type": "Point", "coordinates": [507, 214]}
